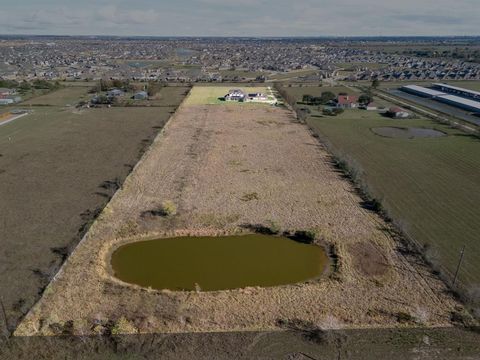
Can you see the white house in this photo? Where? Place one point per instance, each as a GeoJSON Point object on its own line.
{"type": "Point", "coordinates": [235, 95]}
{"type": "Point", "coordinates": [257, 97]}
{"type": "Point", "coordinates": [371, 106]}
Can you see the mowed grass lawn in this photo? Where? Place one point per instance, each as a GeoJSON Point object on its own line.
{"type": "Point", "coordinates": [430, 185]}
{"type": "Point", "coordinates": [209, 95]}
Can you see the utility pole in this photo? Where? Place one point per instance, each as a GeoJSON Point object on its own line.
{"type": "Point", "coordinates": [458, 266]}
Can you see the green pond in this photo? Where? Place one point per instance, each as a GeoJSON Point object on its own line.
{"type": "Point", "coordinates": [217, 263]}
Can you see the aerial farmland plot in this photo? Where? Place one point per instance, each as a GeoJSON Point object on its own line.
{"type": "Point", "coordinates": [69, 95]}
{"type": "Point", "coordinates": [429, 185]}
{"type": "Point", "coordinates": [59, 166]}
{"type": "Point", "coordinates": [224, 171]}
{"type": "Point", "coordinates": [424, 173]}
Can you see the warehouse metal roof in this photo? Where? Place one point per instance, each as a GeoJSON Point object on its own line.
{"type": "Point", "coordinates": [456, 88]}
{"type": "Point", "coordinates": [440, 95]}
{"type": "Point", "coordinates": [463, 101]}
{"type": "Point", "coordinates": [423, 90]}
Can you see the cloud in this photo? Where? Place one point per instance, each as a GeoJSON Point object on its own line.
{"type": "Point", "coordinates": [113, 15]}
{"type": "Point", "coordinates": [243, 18]}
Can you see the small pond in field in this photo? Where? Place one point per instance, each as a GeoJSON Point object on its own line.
{"type": "Point", "coordinates": [217, 263]}
{"type": "Point", "coordinates": [407, 133]}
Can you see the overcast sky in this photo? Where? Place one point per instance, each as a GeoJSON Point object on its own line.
{"type": "Point", "coordinates": [241, 18]}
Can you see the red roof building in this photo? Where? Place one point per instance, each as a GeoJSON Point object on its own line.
{"type": "Point", "coordinates": [347, 101]}
{"type": "Point", "coordinates": [398, 112]}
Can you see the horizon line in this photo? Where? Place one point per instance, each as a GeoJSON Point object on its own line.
{"type": "Point", "coordinates": [247, 36]}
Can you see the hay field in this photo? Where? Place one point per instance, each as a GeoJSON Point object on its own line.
{"type": "Point", "coordinates": [206, 160]}
{"type": "Point", "coordinates": [430, 186]}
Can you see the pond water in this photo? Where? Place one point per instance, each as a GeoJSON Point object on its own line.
{"type": "Point", "coordinates": [407, 133]}
{"type": "Point", "coordinates": [217, 263]}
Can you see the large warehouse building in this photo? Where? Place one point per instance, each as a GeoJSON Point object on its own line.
{"type": "Point", "coordinates": [422, 91]}
{"type": "Point", "coordinates": [453, 100]}
{"type": "Point", "coordinates": [455, 90]}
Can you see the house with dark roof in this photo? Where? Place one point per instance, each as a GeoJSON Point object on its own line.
{"type": "Point", "coordinates": [235, 95]}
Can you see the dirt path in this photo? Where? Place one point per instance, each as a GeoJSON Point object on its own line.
{"type": "Point", "coordinates": [205, 160]}
{"type": "Point", "coordinates": [13, 118]}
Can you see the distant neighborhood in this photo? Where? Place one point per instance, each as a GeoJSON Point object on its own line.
{"type": "Point", "coordinates": [219, 60]}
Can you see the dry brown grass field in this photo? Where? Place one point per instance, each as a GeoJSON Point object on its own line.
{"type": "Point", "coordinates": [59, 167]}
{"type": "Point", "coordinates": [205, 160]}
{"type": "Point", "coordinates": [69, 95]}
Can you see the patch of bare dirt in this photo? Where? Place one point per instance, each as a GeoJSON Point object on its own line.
{"type": "Point", "coordinates": [368, 260]}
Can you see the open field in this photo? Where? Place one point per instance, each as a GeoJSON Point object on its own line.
{"type": "Point", "coordinates": [70, 95]}
{"type": "Point", "coordinates": [211, 94]}
{"type": "Point", "coordinates": [292, 74]}
{"type": "Point", "coordinates": [58, 168]}
{"type": "Point", "coordinates": [294, 343]}
{"type": "Point", "coordinates": [298, 91]}
{"type": "Point", "coordinates": [242, 73]}
{"type": "Point", "coordinates": [430, 186]}
{"type": "Point", "coordinates": [167, 96]}
{"type": "Point", "coordinates": [7, 117]}
{"type": "Point", "coordinates": [206, 160]}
